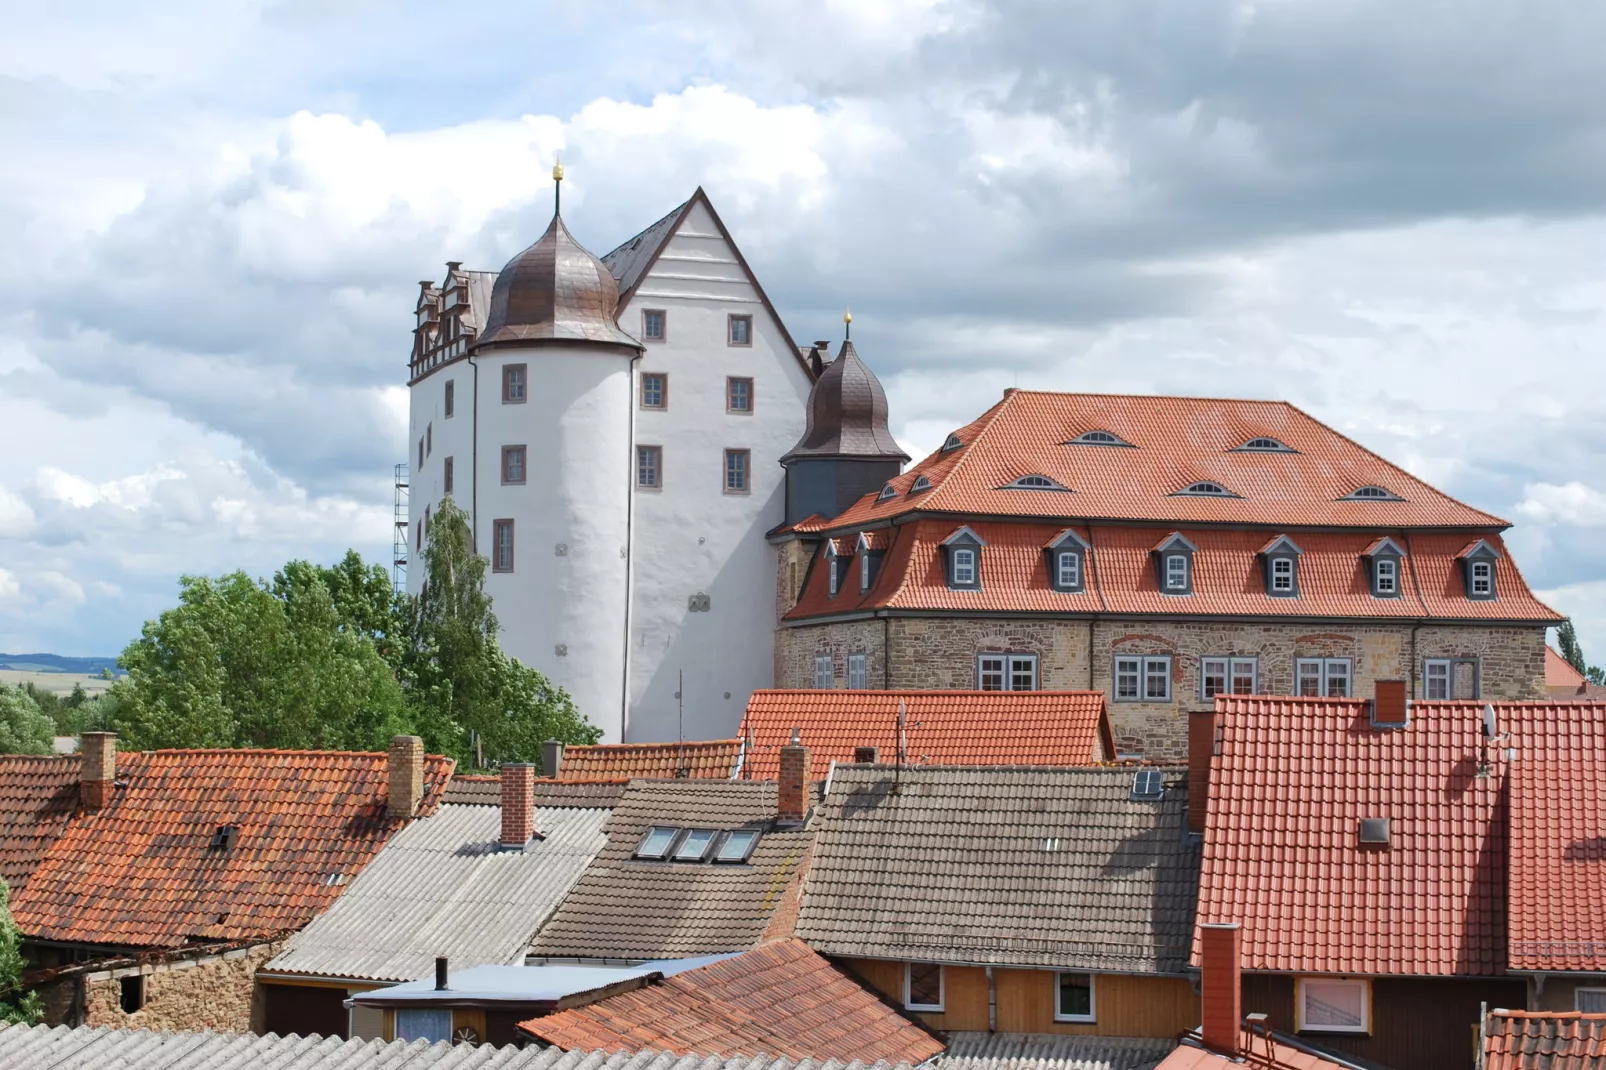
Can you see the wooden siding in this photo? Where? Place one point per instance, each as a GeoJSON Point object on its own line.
{"type": "Point", "coordinates": [1421, 1023]}
{"type": "Point", "coordinates": [303, 1009]}
{"type": "Point", "coordinates": [1124, 1005]}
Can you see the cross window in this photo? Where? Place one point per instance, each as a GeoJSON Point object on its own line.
{"type": "Point", "coordinates": [1482, 579]}
{"type": "Point", "coordinates": [964, 567]}
{"type": "Point", "coordinates": [1070, 569]}
{"type": "Point", "coordinates": [1282, 574]}
{"type": "Point", "coordinates": [649, 467]}
{"type": "Point", "coordinates": [501, 546]}
{"type": "Point", "coordinates": [1323, 677]}
{"type": "Point", "coordinates": [653, 321]}
{"type": "Point", "coordinates": [654, 390]}
{"type": "Point", "coordinates": [1387, 573]}
{"type": "Point", "coordinates": [1176, 572]}
{"type": "Point", "coordinates": [1143, 678]}
{"type": "Point", "coordinates": [1006, 672]}
{"type": "Point", "coordinates": [736, 471]}
{"type": "Point", "coordinates": [513, 382]}
{"type": "Point", "coordinates": [738, 395]}
{"type": "Point", "coordinates": [1226, 676]}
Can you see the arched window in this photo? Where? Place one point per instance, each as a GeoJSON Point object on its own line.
{"type": "Point", "coordinates": [888, 491]}
{"type": "Point", "coordinates": [1263, 444]}
{"type": "Point", "coordinates": [1206, 489]}
{"type": "Point", "coordinates": [951, 443]}
{"type": "Point", "coordinates": [1098, 438]}
{"type": "Point", "coordinates": [921, 484]}
{"type": "Point", "coordinates": [1034, 482]}
{"type": "Point", "coordinates": [1372, 493]}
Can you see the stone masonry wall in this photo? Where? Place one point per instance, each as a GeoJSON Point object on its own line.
{"type": "Point", "coordinates": [938, 653]}
{"type": "Point", "coordinates": [214, 994]}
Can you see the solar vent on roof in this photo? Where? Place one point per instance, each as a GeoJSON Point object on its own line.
{"type": "Point", "coordinates": [1374, 830]}
{"type": "Point", "coordinates": [1148, 784]}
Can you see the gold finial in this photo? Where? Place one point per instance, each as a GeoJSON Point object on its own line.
{"type": "Point", "coordinates": [557, 170]}
{"type": "Point", "coordinates": [847, 323]}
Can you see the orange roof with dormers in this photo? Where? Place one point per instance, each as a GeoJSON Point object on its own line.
{"type": "Point", "coordinates": [142, 872]}
{"type": "Point", "coordinates": [1174, 443]}
{"type": "Point", "coordinates": [1120, 577]}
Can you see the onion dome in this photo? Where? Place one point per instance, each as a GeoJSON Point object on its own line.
{"type": "Point", "coordinates": [847, 414]}
{"type": "Point", "coordinates": [555, 292]}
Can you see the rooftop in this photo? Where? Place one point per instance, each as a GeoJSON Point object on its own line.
{"type": "Point", "coordinates": [37, 797]}
{"type": "Point", "coordinates": [698, 759]}
{"type": "Point", "coordinates": [940, 727]}
{"type": "Point", "coordinates": [1003, 866]}
{"type": "Point", "coordinates": [1544, 1040]}
{"type": "Point", "coordinates": [1051, 1051]}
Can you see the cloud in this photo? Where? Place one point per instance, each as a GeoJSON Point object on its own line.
{"type": "Point", "coordinates": [1572, 504]}
{"type": "Point", "coordinates": [16, 518]}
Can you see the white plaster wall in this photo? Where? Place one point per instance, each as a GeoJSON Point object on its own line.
{"type": "Point", "coordinates": [691, 537]}
{"type": "Point", "coordinates": [453, 437]}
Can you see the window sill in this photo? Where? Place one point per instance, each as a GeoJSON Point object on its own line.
{"type": "Point", "coordinates": [922, 1008]}
{"type": "Point", "coordinates": [738, 493]}
{"type": "Point", "coordinates": [650, 490]}
{"type": "Point", "coordinates": [1065, 1019]}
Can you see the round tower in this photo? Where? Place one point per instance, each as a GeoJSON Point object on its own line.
{"type": "Point", "coordinates": [846, 450]}
{"type": "Point", "coordinates": [554, 445]}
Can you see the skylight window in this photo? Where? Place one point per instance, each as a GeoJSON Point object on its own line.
{"type": "Point", "coordinates": [694, 845]}
{"type": "Point", "coordinates": [655, 844]}
{"type": "Point", "coordinates": [1263, 444]}
{"type": "Point", "coordinates": [1098, 438]}
{"type": "Point", "coordinates": [225, 837]}
{"type": "Point", "coordinates": [1371, 494]}
{"type": "Point", "coordinates": [951, 443]}
{"type": "Point", "coordinates": [921, 484]}
{"type": "Point", "coordinates": [1148, 784]}
{"type": "Point", "coordinates": [738, 846]}
{"type": "Point", "coordinates": [888, 491]}
{"type": "Point", "coordinates": [1205, 489]}
{"type": "Point", "coordinates": [1034, 482]}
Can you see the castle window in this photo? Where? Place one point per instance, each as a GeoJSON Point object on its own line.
{"type": "Point", "coordinates": [451, 392]}
{"type": "Point", "coordinates": [740, 331]}
{"type": "Point", "coordinates": [1099, 438]}
{"type": "Point", "coordinates": [654, 390]}
{"type": "Point", "coordinates": [1450, 678]}
{"type": "Point", "coordinates": [1176, 572]}
{"type": "Point", "coordinates": [513, 384]}
{"type": "Point", "coordinates": [501, 546]}
{"type": "Point", "coordinates": [653, 321]}
{"type": "Point", "coordinates": [649, 467]}
{"type": "Point", "coordinates": [736, 462]}
{"type": "Point", "coordinates": [1174, 560]}
{"type": "Point", "coordinates": [429, 439]}
{"type": "Point", "coordinates": [1034, 482]}
{"type": "Point", "coordinates": [1006, 672]}
{"type": "Point", "coordinates": [1481, 584]}
{"type": "Point", "coordinates": [1227, 676]}
{"type": "Point", "coordinates": [964, 569]}
{"type": "Point", "coordinates": [1322, 677]}
{"type": "Point", "coordinates": [858, 671]}
{"type": "Point", "coordinates": [739, 395]}
{"type": "Point", "coordinates": [446, 474]}
{"type": "Point", "coordinates": [1264, 445]}
{"type": "Point", "coordinates": [1067, 561]}
{"type": "Point", "coordinates": [1282, 575]}
{"type": "Point", "coordinates": [1143, 679]}
{"type": "Point", "coordinates": [1280, 562]}
{"type": "Point", "coordinates": [1371, 494]}
{"type": "Point", "coordinates": [824, 672]}
{"type": "Point", "coordinates": [512, 464]}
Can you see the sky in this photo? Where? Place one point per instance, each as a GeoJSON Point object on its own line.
{"type": "Point", "coordinates": [216, 215]}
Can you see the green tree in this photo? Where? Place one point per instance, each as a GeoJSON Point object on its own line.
{"type": "Point", "coordinates": [24, 727]}
{"type": "Point", "coordinates": [18, 1008]}
{"type": "Point", "coordinates": [1567, 639]}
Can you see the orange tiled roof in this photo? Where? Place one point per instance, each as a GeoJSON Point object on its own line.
{"type": "Point", "coordinates": [37, 796]}
{"type": "Point", "coordinates": [1175, 442]}
{"type": "Point", "coordinates": [142, 873]}
{"type": "Point", "coordinates": [1557, 877]}
{"type": "Point", "coordinates": [1559, 672]}
{"type": "Point", "coordinates": [779, 999]}
{"type": "Point", "coordinates": [1259, 1050]}
{"type": "Point", "coordinates": [702, 759]}
{"type": "Point", "coordinates": [1228, 579]}
{"type": "Point", "coordinates": [1288, 788]}
{"type": "Point", "coordinates": [941, 727]}
{"type": "Point", "coordinates": [1544, 1040]}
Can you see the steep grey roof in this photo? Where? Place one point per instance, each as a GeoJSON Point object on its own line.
{"type": "Point", "coordinates": [1049, 1051]}
{"type": "Point", "coordinates": [624, 908]}
{"type": "Point", "coordinates": [554, 291]}
{"type": "Point", "coordinates": [444, 886]}
{"type": "Point", "coordinates": [61, 1048]}
{"type": "Point", "coordinates": [1003, 866]}
{"type": "Point", "coordinates": [847, 414]}
{"type": "Point", "coordinates": [631, 260]}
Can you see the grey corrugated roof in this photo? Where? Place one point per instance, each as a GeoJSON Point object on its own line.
{"type": "Point", "coordinates": [623, 908]}
{"type": "Point", "coordinates": [1004, 866]}
{"type": "Point", "coordinates": [61, 1048]}
{"type": "Point", "coordinates": [443, 886]}
{"type": "Point", "coordinates": [1048, 1051]}
{"type": "Point", "coordinates": [480, 790]}
{"type": "Point", "coordinates": [631, 259]}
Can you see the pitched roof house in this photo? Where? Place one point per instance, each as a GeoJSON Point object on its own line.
{"type": "Point", "coordinates": [1543, 1040]}
{"type": "Point", "coordinates": [37, 797]}
{"type": "Point", "coordinates": [777, 999]}
{"type": "Point", "coordinates": [1026, 900]}
{"type": "Point", "coordinates": [939, 727]}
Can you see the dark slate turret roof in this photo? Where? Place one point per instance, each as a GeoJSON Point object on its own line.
{"type": "Point", "coordinates": [555, 291]}
{"type": "Point", "coordinates": [847, 414]}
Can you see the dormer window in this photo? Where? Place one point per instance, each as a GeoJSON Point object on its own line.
{"type": "Point", "coordinates": [921, 484]}
{"type": "Point", "coordinates": [1204, 489]}
{"type": "Point", "coordinates": [1263, 444]}
{"type": "Point", "coordinates": [869, 561]}
{"type": "Point", "coordinates": [1477, 570]}
{"type": "Point", "coordinates": [1280, 560]}
{"type": "Point", "coordinates": [888, 491]}
{"type": "Point", "coordinates": [1067, 562]}
{"type": "Point", "coordinates": [1099, 438]}
{"type": "Point", "coordinates": [1383, 559]}
{"type": "Point", "coordinates": [1371, 494]}
{"type": "Point", "coordinates": [951, 443]}
{"type": "Point", "coordinates": [1174, 560]}
{"type": "Point", "coordinates": [833, 567]}
{"type": "Point", "coordinates": [962, 551]}
{"type": "Point", "coordinates": [1035, 482]}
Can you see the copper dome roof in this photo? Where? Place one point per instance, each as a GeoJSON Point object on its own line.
{"type": "Point", "coordinates": [554, 291]}
{"type": "Point", "coordinates": [847, 414]}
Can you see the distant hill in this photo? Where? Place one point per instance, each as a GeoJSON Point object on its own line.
{"type": "Point", "coordinates": [57, 663]}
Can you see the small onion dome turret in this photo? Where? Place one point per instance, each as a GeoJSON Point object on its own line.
{"type": "Point", "coordinates": [847, 414]}
{"type": "Point", "coordinates": [555, 292]}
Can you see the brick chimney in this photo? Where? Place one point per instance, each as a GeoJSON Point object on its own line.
{"type": "Point", "coordinates": [518, 804]}
{"type": "Point", "coordinates": [98, 768]}
{"type": "Point", "coordinates": [792, 797]}
{"type": "Point", "coordinates": [1390, 706]}
{"type": "Point", "coordinates": [1221, 1002]}
{"type": "Point", "coordinates": [551, 757]}
{"type": "Point", "coordinates": [1201, 747]}
{"type": "Point", "coordinates": [866, 755]}
{"type": "Point", "coordinates": [406, 775]}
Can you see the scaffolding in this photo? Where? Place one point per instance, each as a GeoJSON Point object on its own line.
{"type": "Point", "coordinates": [400, 527]}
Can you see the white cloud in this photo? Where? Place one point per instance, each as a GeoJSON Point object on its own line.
{"type": "Point", "coordinates": [1572, 504]}
{"type": "Point", "coordinates": [16, 518]}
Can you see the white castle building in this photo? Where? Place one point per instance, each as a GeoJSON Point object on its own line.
{"type": "Point", "coordinates": [616, 430]}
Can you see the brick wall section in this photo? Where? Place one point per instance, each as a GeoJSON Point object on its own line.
{"type": "Point", "coordinates": [406, 775]}
{"type": "Point", "coordinates": [1201, 748]}
{"type": "Point", "coordinates": [792, 790]}
{"type": "Point", "coordinates": [518, 803]}
{"type": "Point", "coordinates": [99, 768]}
{"type": "Point", "coordinates": [1221, 987]}
{"type": "Point", "coordinates": [215, 994]}
{"type": "Point", "coordinates": [938, 653]}
{"type": "Point", "coordinates": [791, 565]}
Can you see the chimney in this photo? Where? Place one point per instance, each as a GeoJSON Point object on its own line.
{"type": "Point", "coordinates": [406, 775]}
{"type": "Point", "coordinates": [866, 755]}
{"type": "Point", "coordinates": [792, 797]}
{"type": "Point", "coordinates": [1201, 747]}
{"type": "Point", "coordinates": [518, 803]}
{"type": "Point", "coordinates": [98, 768]}
{"type": "Point", "coordinates": [1390, 707]}
{"type": "Point", "coordinates": [551, 758]}
{"type": "Point", "coordinates": [440, 974]}
{"type": "Point", "coordinates": [1221, 1002]}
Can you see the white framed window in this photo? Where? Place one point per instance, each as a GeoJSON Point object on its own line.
{"type": "Point", "coordinates": [1073, 997]}
{"type": "Point", "coordinates": [1282, 574]}
{"type": "Point", "coordinates": [1176, 572]}
{"type": "Point", "coordinates": [1333, 1005]}
{"type": "Point", "coordinates": [1386, 577]}
{"type": "Point", "coordinates": [833, 574]}
{"type": "Point", "coordinates": [649, 467]}
{"type": "Point", "coordinates": [736, 465]}
{"type": "Point", "coordinates": [1482, 579]}
{"type": "Point", "coordinates": [431, 1025]}
{"type": "Point", "coordinates": [1006, 672]}
{"type": "Point", "coordinates": [922, 986]}
{"type": "Point", "coordinates": [512, 465]}
{"type": "Point", "coordinates": [1323, 677]}
{"type": "Point", "coordinates": [1589, 1000]}
{"type": "Point", "coordinates": [451, 397]}
{"type": "Point", "coordinates": [1069, 566]}
{"type": "Point", "coordinates": [1143, 678]}
{"type": "Point", "coordinates": [964, 567]}
{"type": "Point", "coordinates": [654, 390]}
{"type": "Point", "coordinates": [513, 382]}
{"type": "Point", "coordinates": [858, 671]}
{"type": "Point", "coordinates": [1227, 676]}
{"type": "Point", "coordinates": [738, 395]}
{"type": "Point", "coordinates": [864, 572]}
{"type": "Point", "coordinates": [1450, 678]}
{"type": "Point", "coordinates": [824, 672]}
{"type": "Point", "coordinates": [502, 546]}
{"type": "Point", "coordinates": [1436, 679]}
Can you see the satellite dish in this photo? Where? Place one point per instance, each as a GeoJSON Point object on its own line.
{"type": "Point", "coordinates": [1488, 721]}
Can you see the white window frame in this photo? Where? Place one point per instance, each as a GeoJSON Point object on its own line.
{"type": "Point", "coordinates": [824, 670]}
{"type": "Point", "coordinates": [1282, 574]}
{"type": "Point", "coordinates": [942, 988]}
{"type": "Point", "coordinates": [964, 566]}
{"type": "Point", "coordinates": [1389, 586]}
{"type": "Point", "coordinates": [1578, 1003]}
{"type": "Point", "coordinates": [1486, 580]}
{"type": "Point", "coordinates": [864, 572]}
{"type": "Point", "coordinates": [656, 454]}
{"type": "Point", "coordinates": [1326, 674]}
{"type": "Point", "coordinates": [1303, 1025]}
{"type": "Point", "coordinates": [1092, 997]}
{"type": "Point", "coordinates": [742, 468]}
{"type": "Point", "coordinates": [858, 672]}
{"type": "Point", "coordinates": [1146, 666]}
{"type": "Point", "coordinates": [833, 577]}
{"type": "Point", "coordinates": [1071, 576]}
{"type": "Point", "coordinates": [1444, 678]}
{"type": "Point", "coordinates": [1229, 673]}
{"type": "Point", "coordinates": [1176, 572]}
{"type": "Point", "coordinates": [1010, 666]}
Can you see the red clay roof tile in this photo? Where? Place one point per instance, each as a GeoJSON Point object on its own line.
{"type": "Point", "coordinates": [941, 727]}
{"type": "Point", "coordinates": [37, 797]}
{"type": "Point", "coordinates": [700, 760]}
{"type": "Point", "coordinates": [142, 873]}
{"type": "Point", "coordinates": [778, 999]}
{"type": "Point", "coordinates": [1560, 673]}
{"type": "Point", "coordinates": [1544, 1040]}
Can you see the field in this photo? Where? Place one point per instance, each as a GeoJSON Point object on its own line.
{"type": "Point", "coordinates": [59, 682]}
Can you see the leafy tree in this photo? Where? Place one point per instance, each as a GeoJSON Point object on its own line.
{"type": "Point", "coordinates": [26, 1008]}
{"type": "Point", "coordinates": [24, 727]}
{"type": "Point", "coordinates": [1567, 639]}
{"type": "Point", "coordinates": [1596, 674]}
